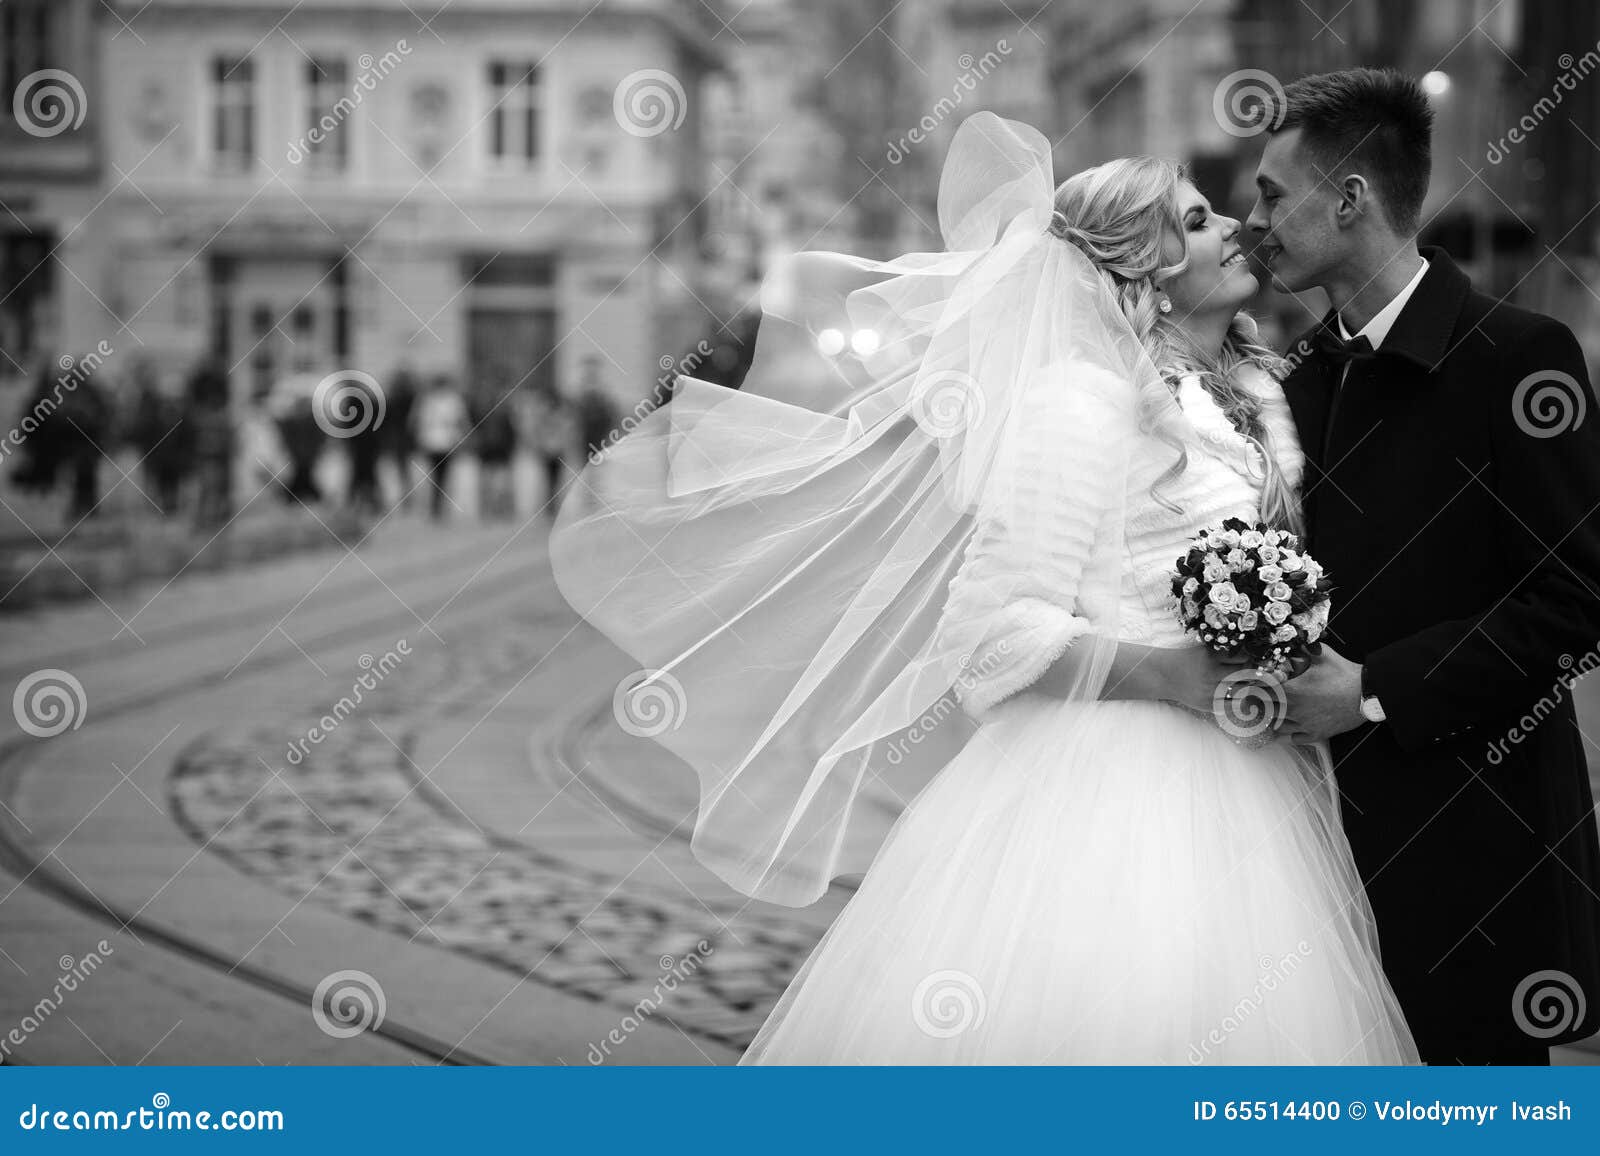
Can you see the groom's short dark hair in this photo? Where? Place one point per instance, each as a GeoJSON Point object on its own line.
{"type": "Point", "coordinates": [1377, 121]}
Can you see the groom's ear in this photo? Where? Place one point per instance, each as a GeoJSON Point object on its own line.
{"type": "Point", "coordinates": [1355, 200]}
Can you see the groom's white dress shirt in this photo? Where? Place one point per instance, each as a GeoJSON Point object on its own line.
{"type": "Point", "coordinates": [1383, 320]}
{"type": "Point", "coordinates": [1375, 331]}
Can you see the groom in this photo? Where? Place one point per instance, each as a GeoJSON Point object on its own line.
{"type": "Point", "coordinates": [1452, 491]}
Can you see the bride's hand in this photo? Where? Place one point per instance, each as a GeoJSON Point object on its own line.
{"type": "Point", "coordinates": [1194, 673]}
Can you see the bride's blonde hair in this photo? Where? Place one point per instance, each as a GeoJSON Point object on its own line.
{"type": "Point", "coordinates": [1118, 214]}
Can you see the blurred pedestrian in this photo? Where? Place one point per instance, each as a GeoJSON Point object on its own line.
{"type": "Point", "coordinates": [157, 429]}
{"type": "Point", "coordinates": [261, 446]}
{"type": "Point", "coordinates": [596, 413]}
{"type": "Point", "coordinates": [215, 443]}
{"type": "Point", "coordinates": [495, 439]}
{"type": "Point", "coordinates": [366, 444]}
{"type": "Point", "coordinates": [554, 428]}
{"type": "Point", "coordinates": [440, 420]}
{"type": "Point", "coordinates": [291, 405]}
{"type": "Point", "coordinates": [43, 447]}
{"type": "Point", "coordinates": [597, 421]}
{"type": "Point", "coordinates": [83, 423]}
{"type": "Point", "coordinates": [399, 441]}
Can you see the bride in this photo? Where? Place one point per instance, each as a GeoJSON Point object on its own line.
{"type": "Point", "coordinates": [903, 603]}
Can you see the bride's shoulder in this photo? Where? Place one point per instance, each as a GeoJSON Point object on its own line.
{"type": "Point", "coordinates": [1079, 391]}
{"type": "Point", "coordinates": [1276, 414]}
{"type": "Point", "coordinates": [1261, 382]}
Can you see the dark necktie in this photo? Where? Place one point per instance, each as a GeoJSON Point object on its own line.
{"type": "Point", "coordinates": [1339, 351]}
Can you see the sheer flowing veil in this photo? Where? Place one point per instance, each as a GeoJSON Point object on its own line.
{"type": "Point", "coordinates": [778, 558]}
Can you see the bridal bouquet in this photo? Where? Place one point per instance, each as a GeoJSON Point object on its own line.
{"type": "Point", "coordinates": [1248, 591]}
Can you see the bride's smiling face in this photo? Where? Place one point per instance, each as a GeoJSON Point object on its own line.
{"type": "Point", "coordinates": [1217, 278]}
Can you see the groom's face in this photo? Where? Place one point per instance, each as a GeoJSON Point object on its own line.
{"type": "Point", "coordinates": [1294, 216]}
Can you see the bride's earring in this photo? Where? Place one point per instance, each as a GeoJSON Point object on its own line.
{"type": "Point", "coordinates": [1166, 305]}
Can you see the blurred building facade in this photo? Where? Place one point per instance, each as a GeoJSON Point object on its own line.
{"type": "Point", "coordinates": [969, 56]}
{"type": "Point", "coordinates": [520, 187]}
{"type": "Point", "coordinates": [50, 175]}
{"type": "Point", "coordinates": [492, 188]}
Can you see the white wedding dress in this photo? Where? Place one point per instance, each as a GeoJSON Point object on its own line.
{"type": "Point", "coordinates": [1110, 882]}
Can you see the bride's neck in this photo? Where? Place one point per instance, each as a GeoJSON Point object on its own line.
{"type": "Point", "coordinates": [1208, 332]}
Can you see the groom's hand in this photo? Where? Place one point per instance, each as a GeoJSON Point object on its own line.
{"type": "Point", "coordinates": [1323, 700]}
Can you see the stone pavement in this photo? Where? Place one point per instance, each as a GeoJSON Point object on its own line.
{"type": "Point", "coordinates": [516, 926]}
{"type": "Point", "coordinates": [475, 845]}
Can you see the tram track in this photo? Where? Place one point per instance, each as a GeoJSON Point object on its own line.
{"type": "Point", "coordinates": [33, 867]}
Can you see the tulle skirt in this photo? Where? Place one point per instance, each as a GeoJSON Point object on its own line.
{"type": "Point", "coordinates": [1102, 883]}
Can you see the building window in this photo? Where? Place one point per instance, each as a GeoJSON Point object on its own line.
{"type": "Point", "coordinates": [26, 293]}
{"type": "Point", "coordinates": [233, 93]}
{"type": "Point", "coordinates": [511, 314]}
{"type": "Point", "coordinates": [26, 44]}
{"type": "Point", "coordinates": [330, 105]}
{"type": "Point", "coordinates": [514, 113]}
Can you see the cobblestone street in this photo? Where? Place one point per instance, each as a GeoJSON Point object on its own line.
{"type": "Point", "coordinates": [381, 790]}
{"type": "Point", "coordinates": [437, 830]}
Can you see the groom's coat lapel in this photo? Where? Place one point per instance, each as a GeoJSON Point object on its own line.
{"type": "Point", "coordinates": [1465, 552]}
{"type": "Point", "coordinates": [1421, 334]}
{"type": "Point", "coordinates": [1415, 346]}
{"type": "Point", "coordinates": [1309, 388]}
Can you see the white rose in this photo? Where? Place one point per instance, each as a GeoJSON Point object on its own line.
{"type": "Point", "coordinates": [1251, 539]}
{"type": "Point", "coordinates": [1217, 571]}
{"type": "Point", "coordinates": [1273, 537]}
{"type": "Point", "coordinates": [1276, 612]}
{"type": "Point", "coordinates": [1223, 594]}
{"type": "Point", "coordinates": [1190, 585]}
{"type": "Point", "coordinates": [1248, 620]}
{"type": "Point", "coordinates": [1231, 537]}
{"type": "Point", "coordinates": [1213, 616]}
{"type": "Point", "coordinates": [1268, 553]}
{"type": "Point", "coordinates": [1270, 574]}
{"type": "Point", "coordinates": [1283, 634]}
{"type": "Point", "coordinates": [1290, 560]}
{"type": "Point", "coordinates": [1236, 558]}
{"type": "Point", "coordinates": [1279, 591]}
